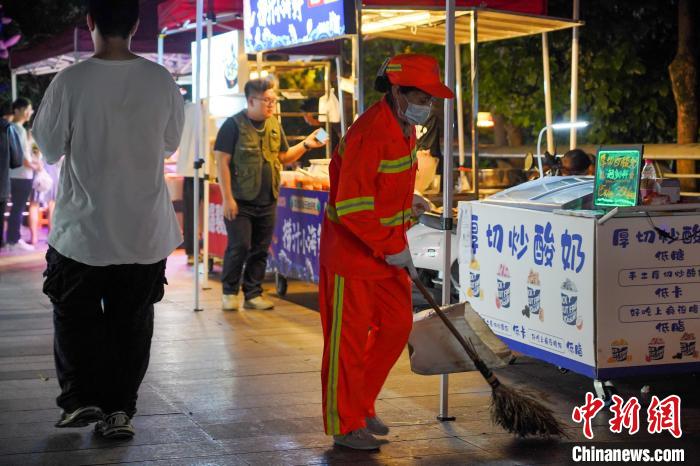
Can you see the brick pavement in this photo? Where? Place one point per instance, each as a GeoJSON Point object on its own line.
{"type": "Point", "coordinates": [243, 388]}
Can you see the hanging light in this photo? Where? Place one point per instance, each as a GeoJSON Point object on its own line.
{"type": "Point", "coordinates": [484, 120]}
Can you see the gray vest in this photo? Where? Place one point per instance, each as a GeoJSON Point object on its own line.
{"type": "Point", "coordinates": [254, 148]}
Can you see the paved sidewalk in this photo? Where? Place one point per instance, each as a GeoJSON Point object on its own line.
{"type": "Point", "coordinates": [243, 388]}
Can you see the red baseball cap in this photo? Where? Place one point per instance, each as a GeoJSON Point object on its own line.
{"type": "Point", "coordinates": [420, 71]}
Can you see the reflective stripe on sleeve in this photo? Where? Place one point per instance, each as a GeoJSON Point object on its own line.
{"type": "Point", "coordinates": [356, 204]}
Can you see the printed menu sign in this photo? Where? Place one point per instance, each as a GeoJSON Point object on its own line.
{"type": "Point", "coordinates": [617, 176]}
{"type": "Point", "coordinates": [648, 311]}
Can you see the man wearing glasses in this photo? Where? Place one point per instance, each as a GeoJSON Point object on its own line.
{"type": "Point", "coordinates": [250, 150]}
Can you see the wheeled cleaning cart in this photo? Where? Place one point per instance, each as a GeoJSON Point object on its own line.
{"type": "Point", "coordinates": [606, 296]}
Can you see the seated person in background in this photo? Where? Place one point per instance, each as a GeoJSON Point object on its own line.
{"type": "Point", "coordinates": [575, 162]}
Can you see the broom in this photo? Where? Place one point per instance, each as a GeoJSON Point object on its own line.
{"type": "Point", "coordinates": [516, 412]}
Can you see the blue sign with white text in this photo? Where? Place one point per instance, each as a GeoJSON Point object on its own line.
{"type": "Point", "coordinates": [275, 24]}
{"type": "Point", "coordinates": [295, 248]}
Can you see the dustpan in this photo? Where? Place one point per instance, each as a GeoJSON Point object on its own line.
{"type": "Point", "coordinates": [434, 350]}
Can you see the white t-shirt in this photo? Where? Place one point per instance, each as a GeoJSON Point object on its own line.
{"type": "Point", "coordinates": [115, 121]}
{"type": "Point", "coordinates": [23, 173]}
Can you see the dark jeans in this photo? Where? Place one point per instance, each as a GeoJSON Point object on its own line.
{"type": "Point", "coordinates": [3, 207]}
{"type": "Point", "coordinates": [20, 190]}
{"type": "Point", "coordinates": [249, 238]}
{"type": "Point", "coordinates": [188, 211]}
{"type": "Point", "coordinates": [103, 324]}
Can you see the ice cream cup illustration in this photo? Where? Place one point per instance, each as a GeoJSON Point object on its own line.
{"type": "Point", "coordinates": [503, 284]}
{"type": "Point", "coordinates": [474, 279]}
{"type": "Point", "coordinates": [656, 349]}
{"type": "Point", "coordinates": [533, 298]}
{"type": "Point", "coordinates": [619, 350]}
{"type": "Point", "coordinates": [688, 344]}
{"type": "Point", "coordinates": [569, 302]}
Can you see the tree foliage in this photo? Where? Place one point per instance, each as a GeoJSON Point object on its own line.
{"type": "Point", "coordinates": [38, 20]}
{"type": "Point", "coordinates": [624, 87]}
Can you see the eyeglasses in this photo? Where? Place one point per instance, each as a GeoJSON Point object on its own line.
{"type": "Point", "coordinates": [267, 101]}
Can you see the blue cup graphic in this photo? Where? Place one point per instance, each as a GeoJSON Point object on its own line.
{"type": "Point", "coordinates": [619, 353]}
{"type": "Point", "coordinates": [504, 293]}
{"type": "Point", "coordinates": [475, 283]}
{"type": "Point", "coordinates": [688, 347]}
{"type": "Point", "coordinates": [533, 299]}
{"type": "Point", "coordinates": [656, 352]}
{"type": "Point", "coordinates": [569, 308]}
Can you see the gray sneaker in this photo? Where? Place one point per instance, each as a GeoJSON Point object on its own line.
{"type": "Point", "coordinates": [358, 439]}
{"type": "Point", "coordinates": [376, 426]}
{"type": "Point", "coordinates": [258, 303]}
{"type": "Point", "coordinates": [115, 426]}
{"type": "Point", "coordinates": [80, 417]}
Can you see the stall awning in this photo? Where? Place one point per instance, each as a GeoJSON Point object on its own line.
{"type": "Point", "coordinates": [173, 14]}
{"type": "Point", "coordinates": [61, 51]}
{"type": "Point", "coordinates": [534, 7]}
{"type": "Point", "coordinates": [428, 25]}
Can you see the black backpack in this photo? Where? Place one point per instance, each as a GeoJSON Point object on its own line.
{"type": "Point", "coordinates": [9, 141]}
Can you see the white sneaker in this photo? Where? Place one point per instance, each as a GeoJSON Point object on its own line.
{"type": "Point", "coordinates": [21, 245]}
{"type": "Point", "coordinates": [229, 302]}
{"type": "Point", "coordinates": [258, 303]}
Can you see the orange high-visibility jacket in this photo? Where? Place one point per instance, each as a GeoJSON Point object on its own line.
{"type": "Point", "coordinates": [372, 173]}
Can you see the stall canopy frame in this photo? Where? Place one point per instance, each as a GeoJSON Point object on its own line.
{"type": "Point", "coordinates": [428, 24]}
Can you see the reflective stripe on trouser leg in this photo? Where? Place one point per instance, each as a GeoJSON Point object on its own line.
{"type": "Point", "coordinates": [332, 415]}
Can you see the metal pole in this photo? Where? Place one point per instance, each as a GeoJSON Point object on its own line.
{"type": "Point", "coordinates": [327, 80]}
{"type": "Point", "coordinates": [547, 93]}
{"type": "Point", "coordinates": [353, 75]}
{"type": "Point", "coordinates": [460, 114]}
{"type": "Point", "coordinates": [473, 45]}
{"type": "Point", "coordinates": [359, 61]}
{"type": "Point", "coordinates": [339, 76]}
{"type": "Point", "coordinates": [76, 52]}
{"type": "Point", "coordinates": [197, 98]}
{"type": "Point", "coordinates": [447, 184]}
{"type": "Point", "coordinates": [574, 76]}
{"type": "Point", "coordinates": [161, 48]}
{"type": "Point", "coordinates": [259, 63]}
{"type": "Point", "coordinates": [205, 152]}
{"type": "Point", "coordinates": [13, 79]}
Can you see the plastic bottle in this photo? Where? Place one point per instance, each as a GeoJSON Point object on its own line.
{"type": "Point", "coordinates": [647, 182]}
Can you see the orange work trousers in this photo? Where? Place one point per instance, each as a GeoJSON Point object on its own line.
{"type": "Point", "coordinates": [366, 324]}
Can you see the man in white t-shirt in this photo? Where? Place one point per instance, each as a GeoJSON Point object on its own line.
{"type": "Point", "coordinates": [115, 117]}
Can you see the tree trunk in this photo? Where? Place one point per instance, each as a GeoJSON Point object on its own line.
{"type": "Point", "coordinates": [515, 135]}
{"type": "Point", "coordinates": [500, 137]}
{"type": "Point", "coordinates": [684, 77]}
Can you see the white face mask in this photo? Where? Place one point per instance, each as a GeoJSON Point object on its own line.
{"type": "Point", "coordinates": [416, 114]}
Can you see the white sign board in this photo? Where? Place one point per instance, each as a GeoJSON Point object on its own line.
{"type": "Point", "coordinates": [224, 65]}
{"type": "Point", "coordinates": [529, 274]}
{"type": "Point", "coordinates": [648, 295]}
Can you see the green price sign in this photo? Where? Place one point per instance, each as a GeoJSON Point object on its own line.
{"type": "Point", "coordinates": [617, 176]}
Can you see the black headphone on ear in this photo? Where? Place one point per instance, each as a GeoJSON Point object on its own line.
{"type": "Point", "coordinates": [381, 82]}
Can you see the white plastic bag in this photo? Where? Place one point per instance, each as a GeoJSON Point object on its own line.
{"type": "Point", "coordinates": [329, 107]}
{"type": "Point", "coordinates": [434, 350]}
{"type": "Point", "coordinates": [42, 182]}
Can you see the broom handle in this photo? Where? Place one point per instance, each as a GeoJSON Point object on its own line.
{"type": "Point", "coordinates": [480, 365]}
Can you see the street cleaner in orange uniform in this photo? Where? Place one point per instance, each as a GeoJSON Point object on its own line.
{"type": "Point", "coordinates": [364, 289]}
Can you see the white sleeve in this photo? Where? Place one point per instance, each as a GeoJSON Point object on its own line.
{"type": "Point", "coordinates": [51, 128]}
{"type": "Point", "coordinates": [176, 121]}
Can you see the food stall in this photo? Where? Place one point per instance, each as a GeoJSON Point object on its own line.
{"type": "Point", "coordinates": [561, 274]}
{"type": "Point", "coordinates": [303, 194]}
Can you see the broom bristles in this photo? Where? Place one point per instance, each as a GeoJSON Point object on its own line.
{"type": "Point", "coordinates": [521, 414]}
